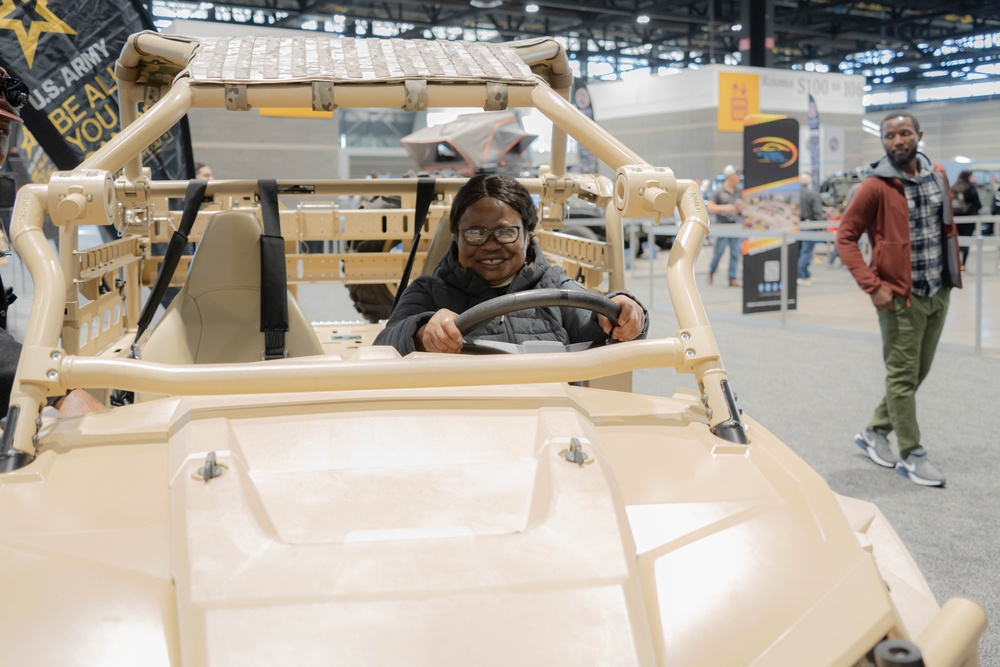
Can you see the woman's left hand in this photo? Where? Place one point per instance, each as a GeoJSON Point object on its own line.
{"type": "Point", "coordinates": [630, 323]}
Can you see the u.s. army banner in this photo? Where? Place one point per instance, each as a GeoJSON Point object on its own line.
{"type": "Point", "coordinates": [65, 50]}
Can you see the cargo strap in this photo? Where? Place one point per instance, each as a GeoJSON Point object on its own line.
{"type": "Point", "coordinates": [425, 195]}
{"type": "Point", "coordinates": [273, 273]}
{"type": "Point", "coordinates": [192, 202]}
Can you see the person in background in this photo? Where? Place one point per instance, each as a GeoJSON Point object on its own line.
{"type": "Point", "coordinates": [847, 202]}
{"type": "Point", "coordinates": [202, 172]}
{"type": "Point", "coordinates": [989, 228]}
{"type": "Point", "coordinates": [994, 210]}
{"type": "Point", "coordinates": [726, 204]}
{"type": "Point", "coordinates": [904, 205]}
{"type": "Point", "coordinates": [493, 252]}
{"type": "Point", "coordinates": [965, 201]}
{"type": "Point", "coordinates": [811, 209]}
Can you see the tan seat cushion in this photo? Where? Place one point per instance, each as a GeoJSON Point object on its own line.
{"type": "Point", "coordinates": [216, 316]}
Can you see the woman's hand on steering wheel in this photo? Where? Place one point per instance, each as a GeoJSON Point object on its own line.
{"type": "Point", "coordinates": [630, 322]}
{"type": "Point", "coordinates": [440, 333]}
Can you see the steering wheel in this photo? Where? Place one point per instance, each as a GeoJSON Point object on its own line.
{"type": "Point", "coordinates": [538, 298]}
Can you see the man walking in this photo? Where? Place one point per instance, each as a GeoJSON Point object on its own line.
{"type": "Point", "coordinates": [810, 209]}
{"type": "Point", "coordinates": [726, 204]}
{"type": "Point", "coordinates": [904, 205]}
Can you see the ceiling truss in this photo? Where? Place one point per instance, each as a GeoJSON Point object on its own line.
{"type": "Point", "coordinates": [920, 34]}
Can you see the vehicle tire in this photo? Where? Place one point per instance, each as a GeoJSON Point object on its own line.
{"type": "Point", "coordinates": [373, 301]}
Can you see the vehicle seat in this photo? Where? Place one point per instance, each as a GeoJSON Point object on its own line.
{"type": "Point", "coordinates": [215, 318]}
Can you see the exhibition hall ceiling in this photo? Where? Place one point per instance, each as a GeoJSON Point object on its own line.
{"type": "Point", "coordinates": [901, 40]}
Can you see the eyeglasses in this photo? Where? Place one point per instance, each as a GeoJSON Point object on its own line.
{"type": "Point", "coordinates": [505, 234]}
{"type": "Point", "coordinates": [15, 90]}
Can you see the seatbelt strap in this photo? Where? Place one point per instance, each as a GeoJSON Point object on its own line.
{"type": "Point", "coordinates": [192, 202]}
{"type": "Point", "coordinates": [425, 195]}
{"type": "Point", "coordinates": [273, 273]}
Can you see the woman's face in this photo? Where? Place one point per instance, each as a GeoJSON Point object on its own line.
{"type": "Point", "coordinates": [494, 262]}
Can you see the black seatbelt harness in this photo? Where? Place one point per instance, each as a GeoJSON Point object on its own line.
{"type": "Point", "coordinates": [273, 274]}
{"type": "Point", "coordinates": [425, 195]}
{"type": "Point", "coordinates": [175, 249]}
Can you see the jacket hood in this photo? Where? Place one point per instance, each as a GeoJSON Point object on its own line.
{"type": "Point", "coordinates": [886, 168]}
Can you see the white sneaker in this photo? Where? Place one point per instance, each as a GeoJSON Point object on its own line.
{"type": "Point", "coordinates": [876, 445]}
{"type": "Point", "coordinates": [920, 470]}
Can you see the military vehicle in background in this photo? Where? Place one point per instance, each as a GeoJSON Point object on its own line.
{"type": "Point", "coordinates": [834, 189]}
{"type": "Point", "coordinates": [492, 141]}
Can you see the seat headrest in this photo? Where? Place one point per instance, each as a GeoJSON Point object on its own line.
{"type": "Point", "coordinates": [228, 255]}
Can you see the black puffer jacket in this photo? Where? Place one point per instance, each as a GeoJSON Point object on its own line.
{"type": "Point", "coordinates": [458, 289]}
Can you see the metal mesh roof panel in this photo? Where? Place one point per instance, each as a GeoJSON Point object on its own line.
{"type": "Point", "coordinates": [270, 59]}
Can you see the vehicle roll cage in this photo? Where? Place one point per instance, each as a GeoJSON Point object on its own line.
{"type": "Point", "coordinates": [89, 195]}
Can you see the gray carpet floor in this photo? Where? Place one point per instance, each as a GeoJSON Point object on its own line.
{"type": "Point", "coordinates": [816, 388]}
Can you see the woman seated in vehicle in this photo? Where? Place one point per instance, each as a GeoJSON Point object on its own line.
{"type": "Point", "coordinates": [493, 252]}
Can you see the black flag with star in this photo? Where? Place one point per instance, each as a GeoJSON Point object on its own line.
{"type": "Point", "coordinates": [65, 50]}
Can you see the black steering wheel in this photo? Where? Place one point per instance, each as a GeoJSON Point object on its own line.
{"type": "Point", "coordinates": [539, 298]}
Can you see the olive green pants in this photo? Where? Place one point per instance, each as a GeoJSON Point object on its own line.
{"type": "Point", "coordinates": [910, 335]}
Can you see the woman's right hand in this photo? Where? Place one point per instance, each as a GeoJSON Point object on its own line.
{"type": "Point", "coordinates": [440, 334]}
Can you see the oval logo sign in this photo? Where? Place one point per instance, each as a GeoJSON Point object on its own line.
{"type": "Point", "coordinates": [775, 150]}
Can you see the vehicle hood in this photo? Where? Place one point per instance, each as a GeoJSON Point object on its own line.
{"type": "Point", "coordinates": [436, 527]}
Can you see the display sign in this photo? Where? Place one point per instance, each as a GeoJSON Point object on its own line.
{"type": "Point", "coordinates": [762, 276]}
{"type": "Point", "coordinates": [66, 51]}
{"type": "Point", "coordinates": [739, 97]}
{"type": "Point", "coordinates": [770, 202]}
{"type": "Point", "coordinates": [770, 154]}
{"type": "Point", "coordinates": [710, 88]}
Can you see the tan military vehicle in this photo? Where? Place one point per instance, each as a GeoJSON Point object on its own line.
{"type": "Point", "coordinates": [277, 492]}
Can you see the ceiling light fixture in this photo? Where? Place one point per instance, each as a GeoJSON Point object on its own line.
{"type": "Point", "coordinates": [485, 4]}
{"type": "Point", "coordinates": [531, 9]}
{"type": "Point", "coordinates": [642, 18]}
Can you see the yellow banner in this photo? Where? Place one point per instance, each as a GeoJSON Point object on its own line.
{"type": "Point", "coordinates": [739, 97]}
{"type": "Point", "coordinates": [293, 112]}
